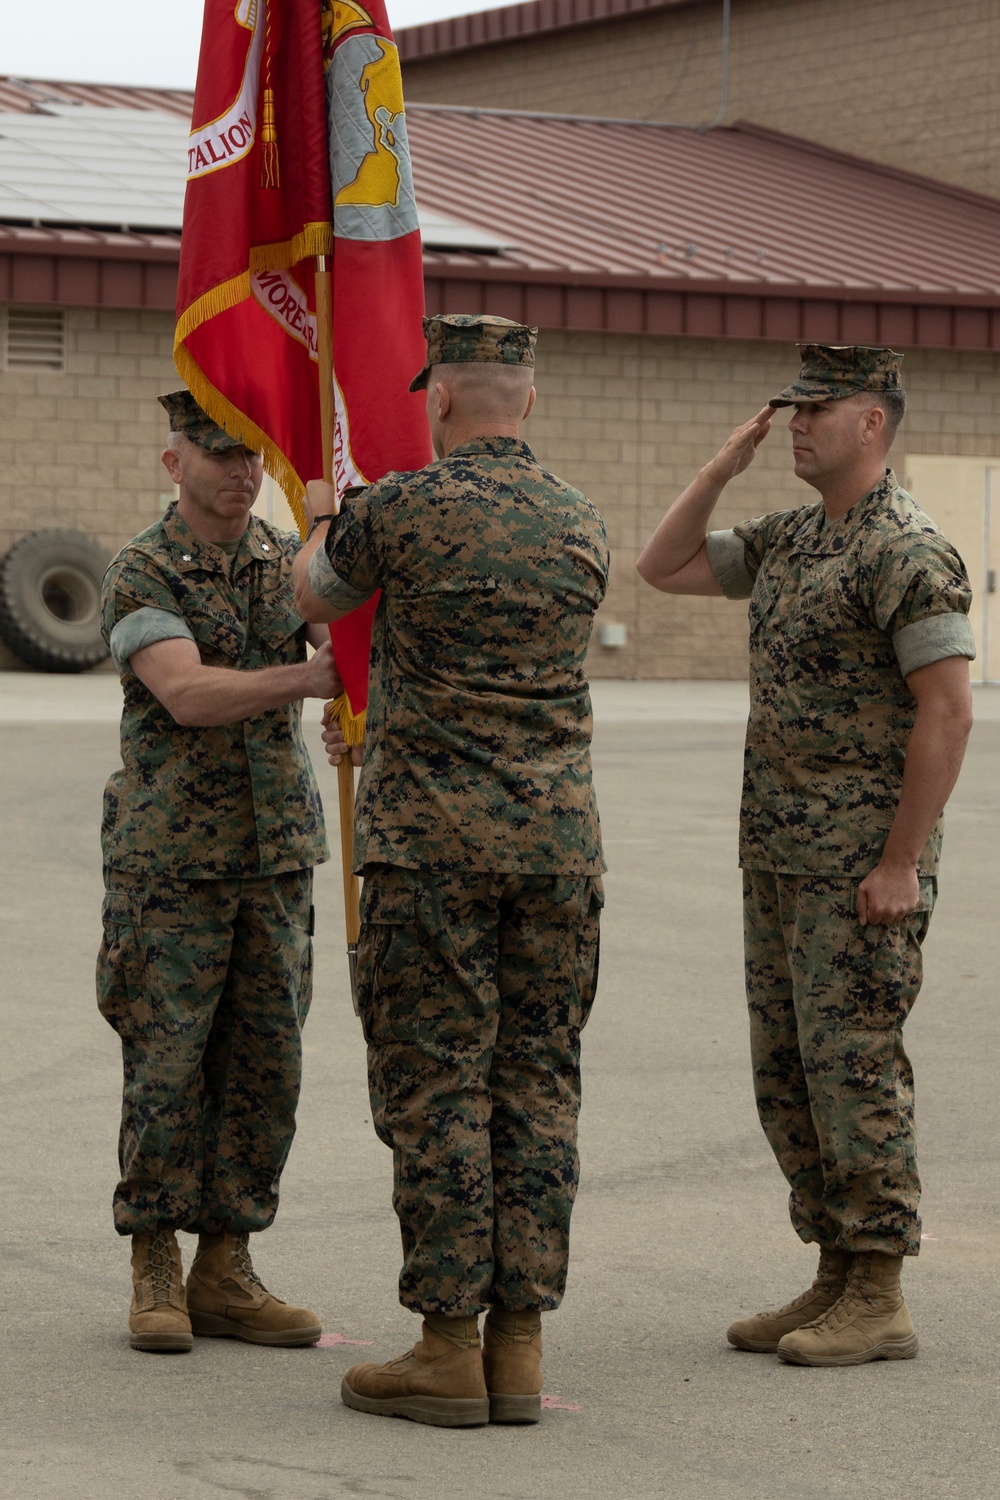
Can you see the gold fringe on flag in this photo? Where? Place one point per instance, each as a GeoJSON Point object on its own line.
{"type": "Point", "coordinates": [352, 725]}
{"type": "Point", "coordinates": [313, 239]}
{"type": "Point", "coordinates": [277, 464]}
{"type": "Point", "coordinates": [281, 255]}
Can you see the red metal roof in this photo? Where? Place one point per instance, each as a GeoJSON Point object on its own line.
{"type": "Point", "coordinates": [735, 232]}
{"type": "Point", "coordinates": [511, 22]}
{"type": "Point", "coordinates": [732, 209]}
{"type": "Point", "coordinates": [630, 227]}
{"type": "Point", "coordinates": [22, 94]}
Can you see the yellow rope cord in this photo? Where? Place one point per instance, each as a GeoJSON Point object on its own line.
{"type": "Point", "coordinates": [270, 170]}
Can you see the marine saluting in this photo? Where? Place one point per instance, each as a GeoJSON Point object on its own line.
{"type": "Point", "coordinates": [860, 709]}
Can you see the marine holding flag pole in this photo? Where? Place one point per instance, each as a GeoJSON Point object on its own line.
{"type": "Point", "coordinates": [298, 150]}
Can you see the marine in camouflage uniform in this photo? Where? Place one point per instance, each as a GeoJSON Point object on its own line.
{"type": "Point", "coordinates": [477, 835]}
{"type": "Point", "coordinates": [844, 609]}
{"type": "Point", "coordinates": [209, 837]}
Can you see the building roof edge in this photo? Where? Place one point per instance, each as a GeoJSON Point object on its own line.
{"type": "Point", "coordinates": [865, 163]}
{"type": "Point", "coordinates": [513, 23]}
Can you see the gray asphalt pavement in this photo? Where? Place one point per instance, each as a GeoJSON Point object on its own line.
{"type": "Point", "coordinates": [680, 1225]}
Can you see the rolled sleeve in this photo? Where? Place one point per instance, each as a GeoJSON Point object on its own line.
{"type": "Point", "coordinates": [329, 586]}
{"type": "Point", "coordinates": [933, 639]}
{"type": "Point", "coordinates": [144, 627]}
{"type": "Point", "coordinates": [726, 552]}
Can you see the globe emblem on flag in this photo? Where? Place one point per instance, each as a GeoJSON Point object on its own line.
{"type": "Point", "coordinates": [369, 153]}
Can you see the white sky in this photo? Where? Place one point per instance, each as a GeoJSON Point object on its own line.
{"type": "Point", "coordinates": [140, 41]}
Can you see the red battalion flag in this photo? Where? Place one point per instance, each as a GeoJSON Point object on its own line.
{"type": "Point", "coordinates": [298, 150]}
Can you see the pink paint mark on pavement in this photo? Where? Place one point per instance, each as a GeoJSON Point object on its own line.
{"type": "Point", "coordinates": [329, 1339]}
{"type": "Point", "coordinates": [555, 1403]}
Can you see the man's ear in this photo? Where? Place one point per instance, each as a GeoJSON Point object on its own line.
{"type": "Point", "coordinates": [172, 464]}
{"type": "Point", "coordinates": [443, 396]}
{"type": "Point", "coordinates": [531, 401]}
{"type": "Point", "coordinates": [874, 426]}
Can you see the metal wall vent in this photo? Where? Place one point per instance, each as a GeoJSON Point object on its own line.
{"type": "Point", "coordinates": [35, 338]}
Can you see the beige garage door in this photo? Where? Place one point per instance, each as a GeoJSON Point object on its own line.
{"type": "Point", "coordinates": [963, 496]}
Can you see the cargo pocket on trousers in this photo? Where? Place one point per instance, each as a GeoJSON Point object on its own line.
{"type": "Point", "coordinates": [121, 992]}
{"type": "Point", "coordinates": [588, 950]}
{"type": "Point", "coordinates": [884, 969]}
{"type": "Point", "coordinates": [389, 966]}
{"type": "Point", "coordinates": [305, 990]}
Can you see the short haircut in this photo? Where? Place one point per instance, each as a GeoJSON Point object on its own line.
{"type": "Point", "coordinates": [893, 403]}
{"type": "Point", "coordinates": [483, 389]}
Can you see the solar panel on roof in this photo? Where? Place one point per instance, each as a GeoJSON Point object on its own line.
{"type": "Point", "coordinates": [80, 164]}
{"type": "Point", "coordinates": [74, 165]}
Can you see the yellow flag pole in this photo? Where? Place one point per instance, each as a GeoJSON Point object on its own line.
{"type": "Point", "coordinates": [345, 771]}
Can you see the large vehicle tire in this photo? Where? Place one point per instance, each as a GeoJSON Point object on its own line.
{"type": "Point", "coordinates": [50, 600]}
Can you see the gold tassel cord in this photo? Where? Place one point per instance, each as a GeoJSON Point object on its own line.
{"type": "Point", "coordinates": [270, 167]}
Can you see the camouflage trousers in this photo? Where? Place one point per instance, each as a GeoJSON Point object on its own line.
{"type": "Point", "coordinates": [474, 989]}
{"type": "Point", "coordinates": [207, 982]}
{"type": "Point", "coordinates": [828, 998]}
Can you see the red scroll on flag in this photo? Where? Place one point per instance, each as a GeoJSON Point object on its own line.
{"type": "Point", "coordinates": [298, 150]}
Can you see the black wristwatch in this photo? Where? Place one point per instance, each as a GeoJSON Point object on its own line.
{"type": "Point", "coordinates": [316, 521]}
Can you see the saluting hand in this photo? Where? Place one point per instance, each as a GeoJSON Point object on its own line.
{"type": "Point", "coordinates": [738, 451]}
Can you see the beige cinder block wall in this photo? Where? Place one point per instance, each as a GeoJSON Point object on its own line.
{"type": "Point", "coordinates": [630, 420]}
{"type": "Point", "coordinates": [81, 449]}
{"type": "Point", "coordinates": [907, 82]}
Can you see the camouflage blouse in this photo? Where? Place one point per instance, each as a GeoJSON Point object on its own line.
{"type": "Point", "coordinates": [479, 716]}
{"type": "Point", "coordinates": [207, 803]}
{"type": "Point", "coordinates": [841, 612]}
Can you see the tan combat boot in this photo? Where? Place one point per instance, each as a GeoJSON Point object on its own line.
{"type": "Point", "coordinates": [762, 1333]}
{"type": "Point", "coordinates": [157, 1319]}
{"type": "Point", "coordinates": [226, 1298]}
{"type": "Point", "coordinates": [438, 1382]}
{"type": "Point", "coordinates": [512, 1364]}
{"type": "Point", "coordinates": [870, 1321]}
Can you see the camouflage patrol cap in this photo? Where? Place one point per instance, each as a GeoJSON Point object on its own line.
{"type": "Point", "coordinates": [187, 417]}
{"type": "Point", "coordinates": [471, 338]}
{"type": "Point", "coordinates": [832, 371]}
